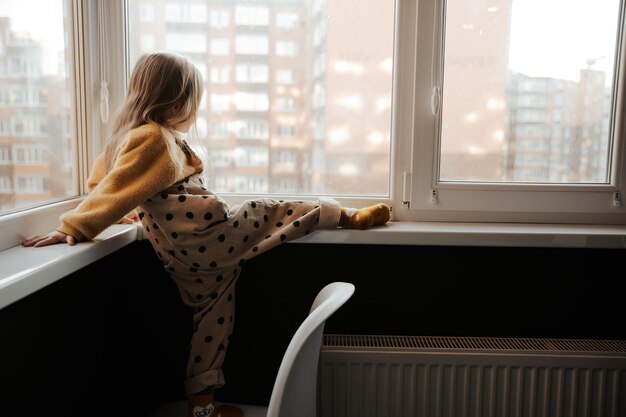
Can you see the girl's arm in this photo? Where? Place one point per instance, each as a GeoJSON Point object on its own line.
{"type": "Point", "coordinates": [142, 169]}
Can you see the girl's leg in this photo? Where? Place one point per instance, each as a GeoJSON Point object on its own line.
{"type": "Point", "coordinates": [203, 405]}
{"type": "Point", "coordinates": [211, 295]}
{"type": "Point", "coordinates": [366, 217]}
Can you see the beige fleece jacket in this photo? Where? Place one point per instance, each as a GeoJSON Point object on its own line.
{"type": "Point", "coordinates": [143, 168]}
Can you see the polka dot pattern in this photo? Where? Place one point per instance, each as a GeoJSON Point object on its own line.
{"type": "Point", "coordinates": [203, 244]}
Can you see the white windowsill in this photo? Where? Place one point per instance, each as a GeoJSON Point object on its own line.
{"type": "Point", "coordinates": [26, 270]}
{"type": "Point", "coordinates": [478, 234]}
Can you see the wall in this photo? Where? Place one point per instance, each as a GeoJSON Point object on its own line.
{"type": "Point", "coordinates": [112, 338]}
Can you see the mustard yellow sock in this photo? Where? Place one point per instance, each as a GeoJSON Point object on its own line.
{"type": "Point", "coordinates": [203, 405]}
{"type": "Point", "coordinates": [366, 217]}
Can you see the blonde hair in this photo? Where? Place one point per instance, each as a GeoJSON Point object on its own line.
{"type": "Point", "coordinates": [164, 89]}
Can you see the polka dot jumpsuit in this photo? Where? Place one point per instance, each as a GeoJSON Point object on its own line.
{"type": "Point", "coordinates": [203, 244]}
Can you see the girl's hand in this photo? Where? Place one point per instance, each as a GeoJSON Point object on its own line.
{"type": "Point", "coordinates": [130, 218]}
{"type": "Point", "coordinates": [49, 239]}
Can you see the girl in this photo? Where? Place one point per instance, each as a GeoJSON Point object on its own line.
{"type": "Point", "coordinates": [149, 171]}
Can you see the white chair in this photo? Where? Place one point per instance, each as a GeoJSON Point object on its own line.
{"type": "Point", "coordinates": [296, 385]}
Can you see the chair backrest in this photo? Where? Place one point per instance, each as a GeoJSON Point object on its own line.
{"type": "Point", "coordinates": [295, 389]}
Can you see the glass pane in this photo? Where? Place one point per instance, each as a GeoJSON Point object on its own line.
{"type": "Point", "coordinates": [298, 93]}
{"type": "Point", "coordinates": [527, 87]}
{"type": "Point", "coordinates": [36, 111]}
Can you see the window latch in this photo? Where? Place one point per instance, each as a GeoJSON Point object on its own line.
{"type": "Point", "coordinates": [406, 190]}
{"type": "Point", "coordinates": [617, 200]}
{"type": "Point", "coordinates": [433, 195]}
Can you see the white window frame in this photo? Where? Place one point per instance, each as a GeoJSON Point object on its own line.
{"type": "Point", "coordinates": [22, 222]}
{"type": "Point", "coordinates": [424, 197]}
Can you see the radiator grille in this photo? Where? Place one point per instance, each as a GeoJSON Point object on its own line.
{"type": "Point", "coordinates": [473, 343]}
{"type": "Point", "coordinates": [418, 376]}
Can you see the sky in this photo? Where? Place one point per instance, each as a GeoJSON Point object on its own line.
{"type": "Point", "coordinates": [555, 38]}
{"type": "Point", "coordinates": [43, 20]}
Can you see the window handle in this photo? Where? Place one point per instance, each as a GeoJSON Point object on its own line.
{"type": "Point", "coordinates": [104, 101]}
{"type": "Point", "coordinates": [435, 100]}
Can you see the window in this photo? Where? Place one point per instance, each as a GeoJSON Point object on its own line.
{"type": "Point", "coordinates": [252, 129]}
{"type": "Point", "coordinates": [146, 12]}
{"type": "Point", "coordinates": [361, 115]}
{"type": "Point", "coordinates": [185, 12]}
{"type": "Point", "coordinates": [251, 15]}
{"type": "Point", "coordinates": [220, 47]}
{"type": "Point", "coordinates": [527, 136]}
{"type": "Point", "coordinates": [252, 156]}
{"type": "Point", "coordinates": [287, 20]}
{"type": "Point", "coordinates": [252, 73]}
{"type": "Point", "coordinates": [220, 103]}
{"type": "Point", "coordinates": [39, 146]}
{"type": "Point", "coordinates": [286, 104]}
{"type": "Point", "coordinates": [221, 158]}
{"type": "Point", "coordinates": [29, 184]}
{"type": "Point", "coordinates": [27, 154]}
{"type": "Point", "coordinates": [252, 44]}
{"type": "Point", "coordinates": [286, 48]}
{"type": "Point", "coordinates": [220, 75]}
{"type": "Point", "coordinates": [5, 184]}
{"type": "Point", "coordinates": [219, 131]}
{"type": "Point", "coordinates": [5, 155]}
{"type": "Point", "coordinates": [266, 85]}
{"type": "Point", "coordinates": [285, 131]}
{"type": "Point", "coordinates": [252, 102]}
{"type": "Point", "coordinates": [220, 19]}
{"type": "Point", "coordinates": [285, 77]}
{"type": "Point", "coordinates": [242, 183]}
{"type": "Point", "coordinates": [186, 42]}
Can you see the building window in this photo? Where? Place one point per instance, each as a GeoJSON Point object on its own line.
{"type": "Point", "coordinates": [220, 19]}
{"type": "Point", "coordinates": [219, 131]}
{"type": "Point", "coordinates": [252, 73]}
{"type": "Point", "coordinates": [220, 103]}
{"type": "Point", "coordinates": [285, 77]}
{"type": "Point", "coordinates": [221, 158]}
{"type": "Point", "coordinates": [5, 184]}
{"type": "Point", "coordinates": [286, 104]}
{"type": "Point", "coordinates": [5, 155]}
{"type": "Point", "coordinates": [252, 156]}
{"type": "Point", "coordinates": [253, 102]}
{"type": "Point", "coordinates": [220, 75]}
{"type": "Point", "coordinates": [242, 183]}
{"type": "Point", "coordinates": [146, 12]}
{"type": "Point", "coordinates": [185, 13]}
{"type": "Point", "coordinates": [252, 44]}
{"type": "Point", "coordinates": [286, 131]}
{"type": "Point", "coordinates": [186, 42]}
{"type": "Point", "coordinates": [252, 129]}
{"type": "Point", "coordinates": [220, 47]}
{"type": "Point", "coordinates": [287, 20]}
{"type": "Point", "coordinates": [29, 184]}
{"type": "Point", "coordinates": [251, 16]}
{"type": "Point", "coordinates": [286, 48]}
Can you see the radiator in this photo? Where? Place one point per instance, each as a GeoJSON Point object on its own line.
{"type": "Point", "coordinates": [413, 376]}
